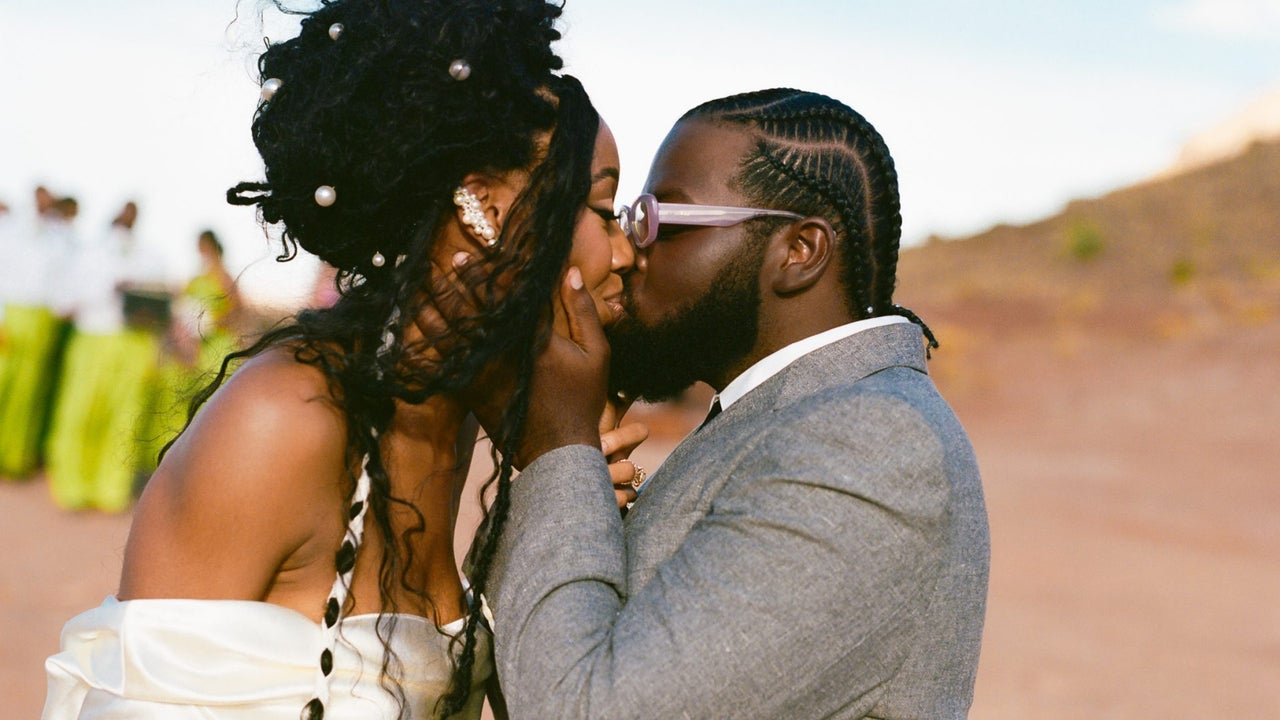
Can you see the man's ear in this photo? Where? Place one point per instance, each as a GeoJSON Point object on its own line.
{"type": "Point", "coordinates": [802, 255]}
{"type": "Point", "coordinates": [496, 197]}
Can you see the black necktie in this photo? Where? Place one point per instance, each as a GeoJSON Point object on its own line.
{"type": "Point", "coordinates": [714, 411]}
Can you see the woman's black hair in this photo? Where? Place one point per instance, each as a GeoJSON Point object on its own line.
{"type": "Point", "coordinates": [817, 156]}
{"type": "Point", "coordinates": [377, 115]}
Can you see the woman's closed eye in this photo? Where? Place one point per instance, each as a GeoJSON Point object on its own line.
{"type": "Point", "coordinates": [606, 214]}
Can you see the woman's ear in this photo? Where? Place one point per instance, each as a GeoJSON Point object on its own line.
{"type": "Point", "coordinates": [484, 203]}
{"type": "Point", "coordinates": [805, 252]}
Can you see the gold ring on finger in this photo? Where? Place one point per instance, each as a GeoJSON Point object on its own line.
{"type": "Point", "coordinates": [639, 476]}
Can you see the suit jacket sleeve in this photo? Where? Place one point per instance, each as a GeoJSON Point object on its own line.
{"type": "Point", "coordinates": [811, 567]}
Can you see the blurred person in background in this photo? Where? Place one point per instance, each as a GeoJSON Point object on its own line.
{"type": "Point", "coordinates": [31, 328]}
{"type": "Point", "coordinates": [8, 244]}
{"type": "Point", "coordinates": [62, 237]}
{"type": "Point", "coordinates": [8, 237]}
{"type": "Point", "coordinates": [205, 327]}
{"type": "Point", "coordinates": [210, 309]}
{"type": "Point", "coordinates": [107, 378]}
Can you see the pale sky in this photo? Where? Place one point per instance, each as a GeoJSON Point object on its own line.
{"type": "Point", "coordinates": [996, 111]}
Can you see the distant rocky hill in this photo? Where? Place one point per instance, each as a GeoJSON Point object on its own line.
{"type": "Point", "coordinates": [1257, 121]}
{"type": "Point", "coordinates": [1165, 258]}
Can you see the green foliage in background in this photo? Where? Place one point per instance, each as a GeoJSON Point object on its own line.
{"type": "Point", "coordinates": [1183, 271]}
{"type": "Point", "coordinates": [1084, 240]}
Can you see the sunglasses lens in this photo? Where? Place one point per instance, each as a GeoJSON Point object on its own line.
{"type": "Point", "coordinates": [627, 219]}
{"type": "Point", "coordinates": [646, 221]}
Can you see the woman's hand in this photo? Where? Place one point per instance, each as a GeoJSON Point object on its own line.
{"type": "Point", "coordinates": [569, 389]}
{"type": "Point", "coordinates": [627, 476]}
{"type": "Point", "coordinates": [457, 295]}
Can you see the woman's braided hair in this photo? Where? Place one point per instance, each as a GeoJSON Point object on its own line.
{"type": "Point", "coordinates": [817, 156]}
{"type": "Point", "coordinates": [377, 115]}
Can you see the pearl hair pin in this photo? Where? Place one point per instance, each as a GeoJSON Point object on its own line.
{"type": "Point", "coordinates": [379, 260]}
{"type": "Point", "coordinates": [335, 31]}
{"type": "Point", "coordinates": [326, 195]}
{"type": "Point", "coordinates": [473, 215]}
{"type": "Point", "coordinates": [270, 88]}
{"type": "Point", "coordinates": [459, 70]}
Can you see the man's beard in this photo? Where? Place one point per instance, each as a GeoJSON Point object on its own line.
{"type": "Point", "coordinates": [696, 342]}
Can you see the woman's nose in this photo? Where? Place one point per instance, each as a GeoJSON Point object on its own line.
{"type": "Point", "coordinates": [623, 252]}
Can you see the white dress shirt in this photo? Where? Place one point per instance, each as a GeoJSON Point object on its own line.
{"type": "Point", "coordinates": [772, 364]}
{"type": "Point", "coordinates": [99, 272]}
{"type": "Point", "coordinates": [27, 255]}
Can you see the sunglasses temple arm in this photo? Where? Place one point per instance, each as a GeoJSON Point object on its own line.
{"type": "Point", "coordinates": [713, 215]}
{"type": "Point", "coordinates": [701, 215]}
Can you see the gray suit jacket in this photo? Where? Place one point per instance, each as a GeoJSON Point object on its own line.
{"type": "Point", "coordinates": [819, 550]}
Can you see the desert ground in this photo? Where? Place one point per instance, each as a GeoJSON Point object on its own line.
{"type": "Point", "coordinates": [1135, 516]}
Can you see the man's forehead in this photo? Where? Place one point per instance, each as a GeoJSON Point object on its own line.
{"type": "Point", "coordinates": [698, 162]}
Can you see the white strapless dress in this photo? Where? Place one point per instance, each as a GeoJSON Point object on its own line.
{"type": "Point", "coordinates": [242, 660]}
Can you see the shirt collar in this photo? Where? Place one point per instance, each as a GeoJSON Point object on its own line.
{"type": "Point", "coordinates": [771, 365]}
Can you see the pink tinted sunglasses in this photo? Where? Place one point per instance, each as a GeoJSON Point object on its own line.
{"type": "Point", "coordinates": [641, 219]}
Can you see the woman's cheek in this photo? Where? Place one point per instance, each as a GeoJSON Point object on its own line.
{"type": "Point", "coordinates": [603, 311]}
{"type": "Point", "coordinates": [592, 256]}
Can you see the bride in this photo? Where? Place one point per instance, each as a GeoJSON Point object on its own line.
{"type": "Point", "coordinates": [293, 554]}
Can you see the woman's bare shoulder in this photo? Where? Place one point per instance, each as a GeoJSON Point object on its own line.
{"type": "Point", "coordinates": [274, 408]}
{"type": "Point", "coordinates": [255, 476]}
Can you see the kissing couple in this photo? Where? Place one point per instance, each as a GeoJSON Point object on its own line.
{"type": "Point", "coordinates": [817, 548]}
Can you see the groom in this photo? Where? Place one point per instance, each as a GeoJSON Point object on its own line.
{"type": "Point", "coordinates": [818, 548]}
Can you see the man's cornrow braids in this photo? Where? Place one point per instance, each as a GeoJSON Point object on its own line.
{"type": "Point", "coordinates": [856, 255]}
{"type": "Point", "coordinates": [867, 204]}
